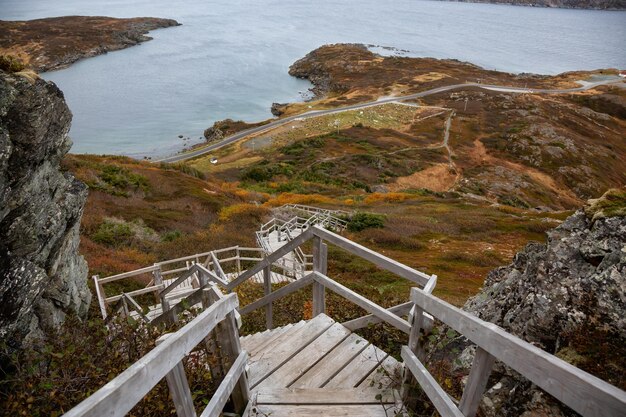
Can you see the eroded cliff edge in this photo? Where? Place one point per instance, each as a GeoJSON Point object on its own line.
{"type": "Point", "coordinates": [42, 275]}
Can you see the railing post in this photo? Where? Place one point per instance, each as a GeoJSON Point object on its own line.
{"type": "Point", "coordinates": [238, 260]}
{"type": "Point", "coordinates": [102, 302]}
{"type": "Point", "coordinates": [267, 285]}
{"type": "Point", "coordinates": [179, 387]}
{"type": "Point", "coordinates": [228, 338]}
{"type": "Point", "coordinates": [210, 341]}
{"type": "Point", "coordinates": [409, 383]}
{"type": "Point", "coordinates": [476, 383]}
{"type": "Point", "coordinates": [320, 264]}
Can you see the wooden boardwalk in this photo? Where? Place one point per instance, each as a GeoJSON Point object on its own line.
{"type": "Point", "coordinates": [319, 368]}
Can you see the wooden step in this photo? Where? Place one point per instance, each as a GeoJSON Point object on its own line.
{"type": "Point", "coordinates": [280, 350]}
{"type": "Point", "coordinates": [332, 363]}
{"type": "Point", "coordinates": [306, 358]}
{"type": "Point", "coordinates": [358, 369]}
{"type": "Point", "coordinates": [310, 396]}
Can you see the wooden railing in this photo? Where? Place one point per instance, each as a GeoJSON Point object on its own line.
{"type": "Point", "coordinates": [122, 393]}
{"type": "Point", "coordinates": [582, 392]}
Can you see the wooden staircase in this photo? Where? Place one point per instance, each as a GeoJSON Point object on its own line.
{"type": "Point", "coordinates": [319, 367]}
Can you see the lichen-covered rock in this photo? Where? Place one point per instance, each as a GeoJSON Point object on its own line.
{"type": "Point", "coordinates": [567, 297]}
{"type": "Point", "coordinates": [42, 276]}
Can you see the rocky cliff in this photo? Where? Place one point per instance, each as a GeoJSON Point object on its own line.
{"type": "Point", "coordinates": [42, 276]}
{"type": "Point", "coordinates": [568, 297]}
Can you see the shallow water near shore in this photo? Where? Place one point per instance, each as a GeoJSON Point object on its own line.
{"type": "Point", "coordinates": [230, 59]}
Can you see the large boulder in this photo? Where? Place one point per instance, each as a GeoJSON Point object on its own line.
{"type": "Point", "coordinates": [42, 276]}
{"type": "Point", "coordinates": [568, 297]}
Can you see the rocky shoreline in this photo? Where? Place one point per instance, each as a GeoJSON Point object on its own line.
{"type": "Point", "coordinates": [561, 4]}
{"type": "Point", "coordinates": [57, 42]}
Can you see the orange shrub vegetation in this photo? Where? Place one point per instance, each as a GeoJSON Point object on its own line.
{"type": "Point", "coordinates": [290, 198]}
{"type": "Point", "coordinates": [104, 261]}
{"type": "Point", "coordinates": [243, 210]}
{"type": "Point", "coordinates": [387, 197]}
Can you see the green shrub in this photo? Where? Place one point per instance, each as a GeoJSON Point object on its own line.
{"type": "Point", "coordinates": [9, 63]}
{"type": "Point", "coordinates": [361, 221]}
{"type": "Point", "coordinates": [171, 236]}
{"type": "Point", "coordinates": [113, 234]}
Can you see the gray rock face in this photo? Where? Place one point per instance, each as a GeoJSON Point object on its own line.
{"type": "Point", "coordinates": [551, 295]}
{"type": "Point", "coordinates": [42, 276]}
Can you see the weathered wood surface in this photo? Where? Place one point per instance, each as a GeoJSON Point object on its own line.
{"type": "Point", "coordinates": [440, 399]}
{"type": "Point", "coordinates": [179, 387]}
{"type": "Point", "coordinates": [334, 373]}
{"type": "Point", "coordinates": [219, 399]}
{"type": "Point", "coordinates": [376, 258]}
{"type": "Point", "coordinates": [318, 410]}
{"type": "Point", "coordinates": [363, 302]}
{"type": "Point", "coordinates": [121, 394]}
{"type": "Point", "coordinates": [270, 259]}
{"type": "Point", "coordinates": [306, 358]}
{"type": "Point", "coordinates": [583, 392]}
{"type": "Point", "coordinates": [128, 274]}
{"type": "Point", "coordinates": [285, 347]}
{"type": "Point", "coordinates": [280, 293]}
{"type": "Point", "coordinates": [475, 387]}
{"type": "Point", "coordinates": [324, 370]}
{"type": "Point", "coordinates": [343, 396]}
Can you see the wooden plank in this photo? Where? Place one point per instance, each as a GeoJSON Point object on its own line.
{"type": "Point", "coordinates": [255, 343]}
{"type": "Point", "coordinates": [179, 387]}
{"type": "Point", "coordinates": [432, 282]}
{"type": "Point", "coordinates": [136, 292]}
{"type": "Point", "coordinates": [270, 259]}
{"type": "Point", "coordinates": [273, 336]}
{"type": "Point", "coordinates": [363, 302]}
{"type": "Point", "coordinates": [368, 410]}
{"type": "Point", "coordinates": [324, 396]}
{"type": "Point", "coordinates": [128, 274]}
{"type": "Point", "coordinates": [285, 347]}
{"type": "Point", "coordinates": [211, 276]}
{"type": "Point", "coordinates": [440, 399]}
{"type": "Point", "coordinates": [586, 394]}
{"type": "Point", "coordinates": [359, 368]}
{"type": "Point", "coordinates": [374, 257]}
{"type": "Point", "coordinates": [476, 383]}
{"type": "Point", "coordinates": [399, 310]}
{"type": "Point", "coordinates": [332, 363]}
{"type": "Point", "coordinates": [184, 276]}
{"type": "Point", "coordinates": [120, 395]}
{"type": "Point", "coordinates": [319, 265]}
{"type": "Point", "coordinates": [388, 375]}
{"type": "Point", "coordinates": [267, 288]}
{"type": "Point", "coordinates": [101, 296]}
{"type": "Point", "coordinates": [306, 358]}
{"type": "Point", "coordinates": [217, 267]}
{"type": "Point", "coordinates": [219, 399]}
{"type": "Point", "coordinates": [280, 293]}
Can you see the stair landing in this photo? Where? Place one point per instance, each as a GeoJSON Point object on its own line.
{"type": "Point", "coordinates": [319, 368]}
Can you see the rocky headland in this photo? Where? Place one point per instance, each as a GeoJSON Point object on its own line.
{"type": "Point", "coordinates": [42, 276]}
{"type": "Point", "coordinates": [56, 42]}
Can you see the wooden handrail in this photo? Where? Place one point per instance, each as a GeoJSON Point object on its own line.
{"type": "Point", "coordinates": [128, 274]}
{"type": "Point", "coordinates": [120, 395]}
{"type": "Point", "coordinates": [374, 257]}
{"type": "Point", "coordinates": [583, 392]}
{"type": "Point", "coordinates": [363, 302]}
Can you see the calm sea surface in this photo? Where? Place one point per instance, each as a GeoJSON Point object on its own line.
{"type": "Point", "coordinates": [230, 58]}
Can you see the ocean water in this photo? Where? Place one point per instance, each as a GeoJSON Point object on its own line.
{"type": "Point", "coordinates": [230, 58]}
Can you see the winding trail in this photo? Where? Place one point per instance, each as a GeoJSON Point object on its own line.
{"type": "Point", "coordinates": [317, 113]}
